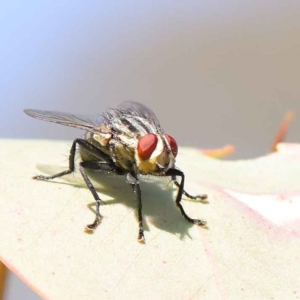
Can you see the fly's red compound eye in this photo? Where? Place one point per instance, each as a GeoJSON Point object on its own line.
{"type": "Point", "coordinates": [147, 145]}
{"type": "Point", "coordinates": [172, 144]}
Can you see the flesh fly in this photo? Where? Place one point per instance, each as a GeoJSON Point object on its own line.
{"type": "Point", "coordinates": [125, 141]}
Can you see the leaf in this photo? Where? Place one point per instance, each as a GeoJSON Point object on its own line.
{"type": "Point", "coordinates": [250, 249]}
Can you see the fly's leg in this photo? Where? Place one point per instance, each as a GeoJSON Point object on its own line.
{"type": "Point", "coordinates": [197, 197]}
{"type": "Point", "coordinates": [173, 173]}
{"type": "Point", "coordinates": [87, 146]}
{"type": "Point", "coordinates": [107, 165]}
{"type": "Point", "coordinates": [137, 190]}
{"type": "Point", "coordinates": [104, 167]}
{"type": "Point", "coordinates": [96, 222]}
{"type": "Point", "coordinates": [133, 180]}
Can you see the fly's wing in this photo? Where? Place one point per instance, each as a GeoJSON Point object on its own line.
{"type": "Point", "coordinates": [88, 123]}
{"type": "Point", "coordinates": [139, 110]}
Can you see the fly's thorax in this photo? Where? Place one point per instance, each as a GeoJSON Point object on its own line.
{"type": "Point", "coordinates": [155, 153]}
{"type": "Point", "coordinates": [99, 140]}
{"type": "Point", "coordinates": [120, 148]}
{"type": "Point", "coordinates": [123, 149]}
{"type": "Point", "coordinates": [102, 138]}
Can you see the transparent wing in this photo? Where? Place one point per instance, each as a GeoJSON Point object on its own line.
{"type": "Point", "coordinates": [140, 110]}
{"type": "Point", "coordinates": [88, 123]}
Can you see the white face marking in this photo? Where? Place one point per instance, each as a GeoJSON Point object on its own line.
{"type": "Point", "coordinates": [161, 156]}
{"type": "Point", "coordinates": [159, 148]}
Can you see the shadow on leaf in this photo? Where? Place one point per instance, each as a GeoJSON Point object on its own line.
{"type": "Point", "coordinates": [158, 198]}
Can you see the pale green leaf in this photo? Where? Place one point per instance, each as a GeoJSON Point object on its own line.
{"type": "Point", "coordinates": [250, 249]}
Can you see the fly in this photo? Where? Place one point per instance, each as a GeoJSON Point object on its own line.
{"type": "Point", "coordinates": [125, 141]}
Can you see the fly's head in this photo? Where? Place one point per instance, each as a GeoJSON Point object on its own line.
{"type": "Point", "coordinates": [155, 154]}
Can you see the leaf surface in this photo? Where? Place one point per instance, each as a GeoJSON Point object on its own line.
{"type": "Point", "coordinates": [250, 249]}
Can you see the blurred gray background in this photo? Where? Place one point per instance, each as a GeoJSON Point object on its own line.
{"type": "Point", "coordinates": [214, 72]}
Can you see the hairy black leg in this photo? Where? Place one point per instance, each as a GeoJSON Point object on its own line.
{"type": "Point", "coordinates": [133, 180]}
{"type": "Point", "coordinates": [88, 147]}
{"type": "Point", "coordinates": [97, 166]}
{"type": "Point", "coordinates": [173, 173]}
{"type": "Point", "coordinates": [197, 197]}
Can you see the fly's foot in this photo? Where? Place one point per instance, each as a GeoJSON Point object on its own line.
{"type": "Point", "coordinates": [195, 221]}
{"type": "Point", "coordinates": [141, 238]}
{"type": "Point", "coordinates": [197, 197]}
{"type": "Point", "coordinates": [41, 177]}
{"type": "Point", "coordinates": [199, 222]}
{"type": "Point", "coordinates": [93, 226]}
{"type": "Point", "coordinates": [200, 197]}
